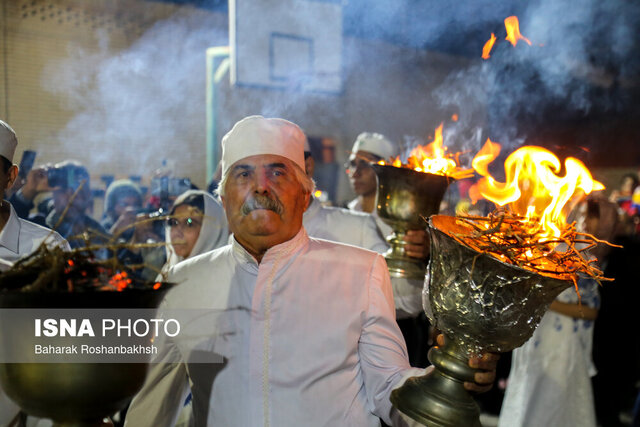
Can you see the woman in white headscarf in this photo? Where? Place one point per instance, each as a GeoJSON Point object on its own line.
{"type": "Point", "coordinates": [196, 224]}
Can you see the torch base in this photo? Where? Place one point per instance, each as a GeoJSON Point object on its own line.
{"type": "Point", "coordinates": [439, 397]}
{"type": "Point", "coordinates": [399, 263]}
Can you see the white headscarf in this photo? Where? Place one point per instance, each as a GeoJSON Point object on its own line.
{"type": "Point", "coordinates": [214, 232]}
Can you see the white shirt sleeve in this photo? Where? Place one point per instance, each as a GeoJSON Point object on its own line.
{"type": "Point", "coordinates": [382, 350]}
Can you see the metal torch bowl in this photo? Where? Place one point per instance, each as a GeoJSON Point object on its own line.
{"type": "Point", "coordinates": [480, 304]}
{"type": "Point", "coordinates": [75, 394]}
{"type": "Point", "coordinates": [479, 301]}
{"type": "Point", "coordinates": [406, 197]}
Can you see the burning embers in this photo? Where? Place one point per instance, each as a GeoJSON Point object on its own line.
{"type": "Point", "coordinates": [530, 228]}
{"type": "Point", "coordinates": [56, 270]}
{"type": "Point", "coordinates": [432, 158]}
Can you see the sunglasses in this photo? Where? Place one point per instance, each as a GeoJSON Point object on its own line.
{"type": "Point", "coordinates": [352, 165]}
{"type": "Point", "coordinates": [185, 223]}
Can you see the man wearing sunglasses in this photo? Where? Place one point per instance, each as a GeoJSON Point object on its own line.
{"type": "Point", "coordinates": [368, 148]}
{"type": "Point", "coordinates": [307, 332]}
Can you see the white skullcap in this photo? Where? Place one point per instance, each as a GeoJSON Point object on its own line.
{"type": "Point", "coordinates": [8, 141]}
{"type": "Point", "coordinates": [374, 143]}
{"type": "Point", "coordinates": [255, 135]}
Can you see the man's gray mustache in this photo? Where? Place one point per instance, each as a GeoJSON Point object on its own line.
{"type": "Point", "coordinates": [261, 202]}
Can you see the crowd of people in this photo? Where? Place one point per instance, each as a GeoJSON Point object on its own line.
{"type": "Point", "coordinates": [321, 333]}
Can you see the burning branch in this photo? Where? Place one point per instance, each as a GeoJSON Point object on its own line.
{"type": "Point", "coordinates": [515, 240]}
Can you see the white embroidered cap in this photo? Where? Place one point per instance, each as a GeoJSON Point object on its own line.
{"type": "Point", "coordinates": [8, 141]}
{"type": "Point", "coordinates": [255, 135]}
{"type": "Point", "coordinates": [374, 143]}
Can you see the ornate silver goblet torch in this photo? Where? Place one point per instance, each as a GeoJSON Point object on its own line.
{"type": "Point", "coordinates": [481, 305]}
{"type": "Point", "coordinates": [491, 279]}
{"type": "Point", "coordinates": [405, 198]}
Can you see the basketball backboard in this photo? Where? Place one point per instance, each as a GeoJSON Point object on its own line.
{"type": "Point", "coordinates": [283, 44]}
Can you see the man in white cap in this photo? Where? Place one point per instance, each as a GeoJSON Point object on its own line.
{"type": "Point", "coordinates": [308, 335]}
{"type": "Point", "coordinates": [18, 237]}
{"type": "Point", "coordinates": [338, 224]}
{"type": "Point", "coordinates": [370, 148]}
{"type": "Point", "coordinates": [373, 147]}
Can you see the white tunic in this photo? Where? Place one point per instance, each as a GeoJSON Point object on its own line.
{"type": "Point", "coordinates": [308, 338]}
{"type": "Point", "coordinates": [549, 383]}
{"type": "Point", "coordinates": [360, 229]}
{"type": "Point", "coordinates": [18, 238]}
{"type": "Point", "coordinates": [343, 226]}
{"type": "Point", "coordinates": [385, 229]}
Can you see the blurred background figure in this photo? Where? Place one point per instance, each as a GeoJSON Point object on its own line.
{"type": "Point", "coordinates": [550, 379]}
{"type": "Point", "coordinates": [196, 224]}
{"type": "Point", "coordinates": [628, 201]}
{"type": "Point", "coordinates": [23, 200]}
{"type": "Point", "coordinates": [369, 147]}
{"type": "Point", "coordinates": [123, 201]}
{"type": "Point", "coordinates": [72, 202]}
{"type": "Point", "coordinates": [339, 224]}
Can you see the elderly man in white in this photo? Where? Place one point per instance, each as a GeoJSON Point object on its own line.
{"type": "Point", "coordinates": [308, 334]}
{"type": "Point", "coordinates": [18, 237]}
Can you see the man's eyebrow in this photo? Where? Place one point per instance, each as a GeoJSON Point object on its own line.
{"type": "Point", "coordinates": [243, 167]}
{"type": "Point", "coordinates": [277, 165]}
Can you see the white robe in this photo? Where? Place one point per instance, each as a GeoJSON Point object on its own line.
{"type": "Point", "coordinates": [308, 337]}
{"type": "Point", "coordinates": [343, 226]}
{"type": "Point", "coordinates": [550, 380]}
{"type": "Point", "coordinates": [356, 206]}
{"type": "Point", "coordinates": [360, 229]}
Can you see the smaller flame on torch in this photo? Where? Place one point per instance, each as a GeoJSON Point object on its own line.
{"type": "Point", "coordinates": [432, 158]}
{"type": "Point", "coordinates": [512, 26]}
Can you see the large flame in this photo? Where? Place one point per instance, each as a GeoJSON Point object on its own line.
{"type": "Point", "coordinates": [433, 158]}
{"type": "Point", "coordinates": [533, 188]}
{"type": "Point", "coordinates": [513, 31]}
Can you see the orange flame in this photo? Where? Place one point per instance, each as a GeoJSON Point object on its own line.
{"type": "Point", "coordinates": [513, 31]}
{"type": "Point", "coordinates": [432, 158]}
{"type": "Point", "coordinates": [488, 46]}
{"type": "Point", "coordinates": [533, 188]}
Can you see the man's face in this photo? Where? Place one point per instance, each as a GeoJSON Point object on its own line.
{"type": "Point", "coordinates": [63, 198]}
{"type": "Point", "coordinates": [124, 203]}
{"type": "Point", "coordinates": [264, 202]}
{"type": "Point", "coordinates": [7, 179]}
{"type": "Point", "coordinates": [361, 174]}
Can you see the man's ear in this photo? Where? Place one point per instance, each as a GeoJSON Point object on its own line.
{"type": "Point", "coordinates": [307, 200]}
{"type": "Point", "coordinates": [12, 175]}
{"type": "Point", "coordinates": [309, 166]}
